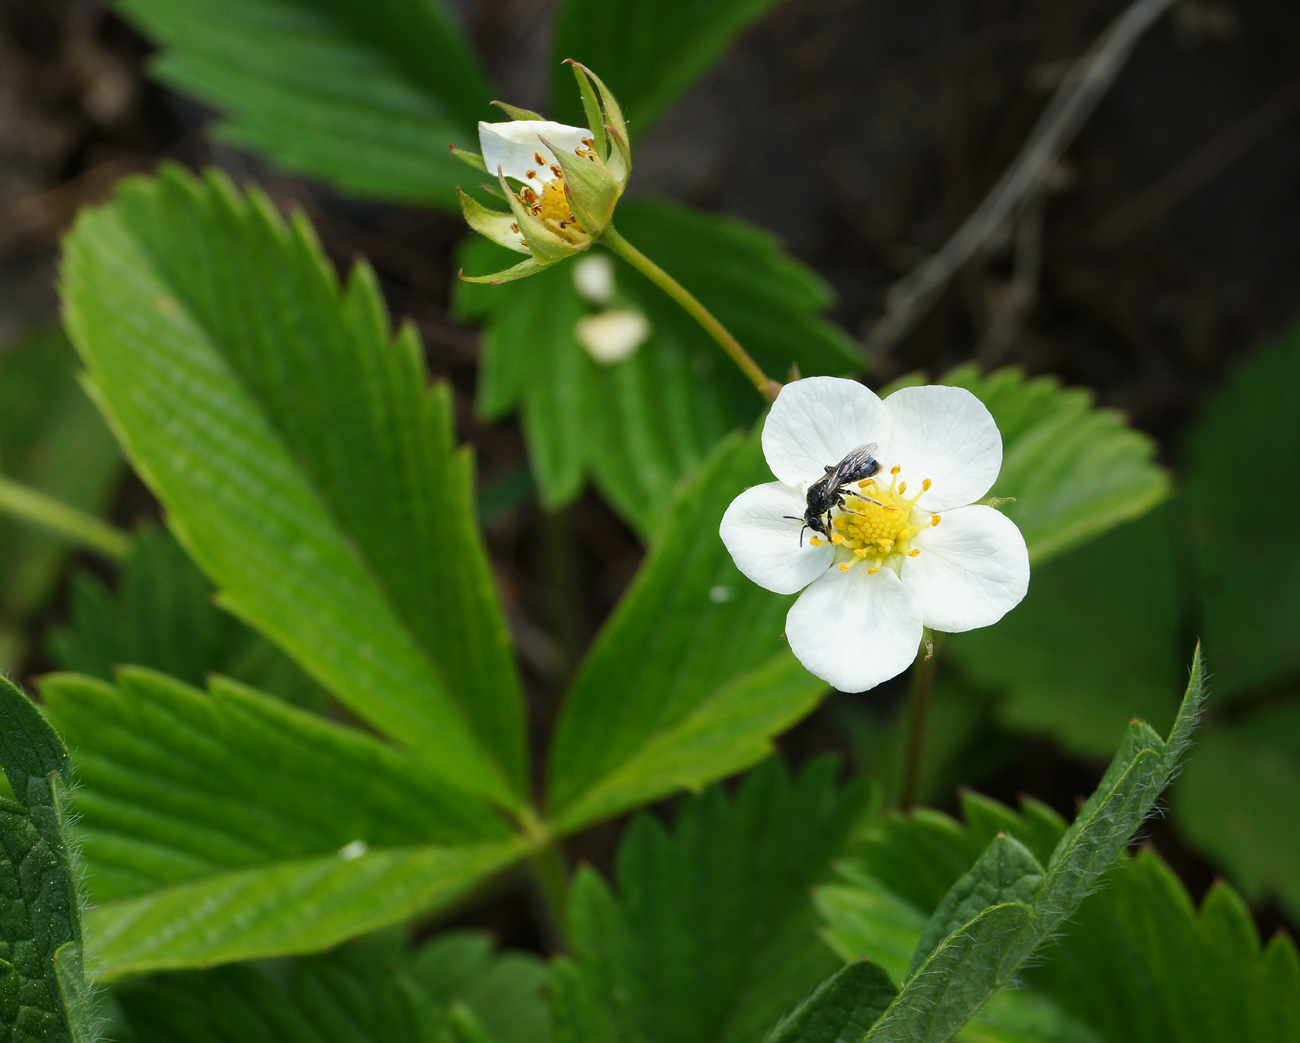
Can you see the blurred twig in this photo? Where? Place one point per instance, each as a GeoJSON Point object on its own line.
{"type": "Point", "coordinates": [1074, 101]}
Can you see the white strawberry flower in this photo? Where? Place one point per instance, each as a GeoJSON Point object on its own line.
{"type": "Point", "coordinates": [909, 549]}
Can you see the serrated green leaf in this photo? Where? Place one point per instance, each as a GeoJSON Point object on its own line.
{"type": "Point", "coordinates": [1137, 963]}
{"type": "Point", "coordinates": [1248, 581]}
{"type": "Point", "coordinates": [648, 53]}
{"type": "Point", "coordinates": [364, 98]}
{"type": "Point", "coordinates": [43, 991]}
{"type": "Point", "coordinates": [840, 1010]}
{"type": "Point", "coordinates": [51, 440]}
{"type": "Point", "coordinates": [1238, 800]}
{"type": "Point", "coordinates": [689, 679]}
{"type": "Point", "coordinates": [960, 973]}
{"type": "Point", "coordinates": [1089, 648]}
{"type": "Point", "coordinates": [302, 462]}
{"type": "Point", "coordinates": [369, 991]}
{"type": "Point", "coordinates": [162, 616]}
{"type": "Point", "coordinates": [287, 907]}
{"type": "Point", "coordinates": [1005, 873]}
{"type": "Point", "coordinates": [1075, 470]}
{"type": "Point", "coordinates": [636, 427]}
{"type": "Point", "coordinates": [709, 937]}
{"type": "Point", "coordinates": [175, 784]}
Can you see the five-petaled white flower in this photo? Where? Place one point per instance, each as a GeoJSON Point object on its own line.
{"type": "Point", "coordinates": [909, 548]}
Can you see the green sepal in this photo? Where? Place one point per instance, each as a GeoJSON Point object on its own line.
{"type": "Point", "coordinates": [591, 105]}
{"type": "Point", "coordinates": [522, 270]}
{"type": "Point", "coordinates": [613, 113]}
{"type": "Point", "coordinates": [515, 112]}
{"type": "Point", "coordinates": [589, 188]}
{"type": "Point", "coordinates": [472, 159]}
{"type": "Point", "coordinates": [619, 162]}
{"type": "Point", "coordinates": [543, 244]}
{"type": "Point", "coordinates": [491, 223]}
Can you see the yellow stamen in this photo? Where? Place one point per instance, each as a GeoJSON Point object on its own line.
{"type": "Point", "coordinates": [902, 488]}
{"type": "Point", "coordinates": [873, 570]}
{"type": "Point", "coordinates": [877, 524]}
{"type": "Point", "coordinates": [934, 519]}
{"type": "Point", "coordinates": [914, 552]}
{"type": "Point", "coordinates": [895, 469]}
{"type": "Point", "coordinates": [925, 485]}
{"type": "Point", "coordinates": [815, 541]}
{"type": "Point", "coordinates": [844, 566]}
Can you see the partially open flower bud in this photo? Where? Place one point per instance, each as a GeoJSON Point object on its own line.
{"type": "Point", "coordinates": [560, 182]}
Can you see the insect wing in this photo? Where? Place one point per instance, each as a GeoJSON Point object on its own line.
{"type": "Point", "coordinates": [857, 464]}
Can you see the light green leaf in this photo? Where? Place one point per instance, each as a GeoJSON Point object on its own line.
{"type": "Point", "coordinates": [43, 991]}
{"type": "Point", "coordinates": [840, 1010]}
{"type": "Point", "coordinates": [51, 440]}
{"type": "Point", "coordinates": [1248, 572]}
{"type": "Point", "coordinates": [1238, 800]}
{"type": "Point", "coordinates": [689, 679]}
{"type": "Point", "coordinates": [162, 616]}
{"type": "Point", "coordinates": [375, 990]}
{"type": "Point", "coordinates": [709, 937]}
{"type": "Point", "coordinates": [175, 784]}
{"type": "Point", "coordinates": [302, 462]}
{"type": "Point", "coordinates": [1089, 648]}
{"type": "Point", "coordinates": [366, 98]}
{"type": "Point", "coordinates": [647, 53]}
{"type": "Point", "coordinates": [1075, 470]}
{"type": "Point", "coordinates": [287, 907]}
{"type": "Point", "coordinates": [636, 427]}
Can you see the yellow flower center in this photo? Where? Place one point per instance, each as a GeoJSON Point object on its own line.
{"type": "Point", "coordinates": [551, 206]}
{"type": "Point", "coordinates": [879, 522]}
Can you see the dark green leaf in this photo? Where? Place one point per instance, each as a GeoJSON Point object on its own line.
{"type": "Point", "coordinates": [636, 427]}
{"type": "Point", "coordinates": [1075, 470]}
{"type": "Point", "coordinates": [689, 679]}
{"type": "Point", "coordinates": [371, 991]}
{"type": "Point", "coordinates": [840, 1010]}
{"type": "Point", "coordinates": [162, 616]}
{"type": "Point", "coordinates": [52, 440]}
{"type": "Point", "coordinates": [302, 461]}
{"type": "Point", "coordinates": [709, 937]}
{"type": "Point", "coordinates": [366, 97]}
{"type": "Point", "coordinates": [1089, 648]}
{"type": "Point", "coordinates": [1238, 800]}
{"type": "Point", "coordinates": [43, 990]}
{"type": "Point", "coordinates": [648, 53]}
{"type": "Point", "coordinates": [1248, 571]}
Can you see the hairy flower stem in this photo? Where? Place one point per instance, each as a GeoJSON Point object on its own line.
{"type": "Point", "coordinates": [767, 387]}
{"type": "Point", "coordinates": [34, 507]}
{"type": "Point", "coordinates": [922, 677]}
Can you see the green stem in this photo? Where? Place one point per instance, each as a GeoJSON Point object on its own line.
{"type": "Point", "coordinates": [767, 387]}
{"type": "Point", "coordinates": [551, 877]}
{"type": "Point", "coordinates": [922, 677]}
{"type": "Point", "coordinates": [31, 506]}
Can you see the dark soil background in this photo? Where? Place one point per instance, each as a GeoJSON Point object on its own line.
{"type": "Point", "coordinates": [1166, 246]}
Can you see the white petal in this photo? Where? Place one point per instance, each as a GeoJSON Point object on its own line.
{"type": "Point", "coordinates": [855, 630]}
{"type": "Point", "coordinates": [765, 545]}
{"type": "Point", "coordinates": [815, 422]}
{"type": "Point", "coordinates": [972, 570]}
{"type": "Point", "coordinates": [514, 147]}
{"type": "Point", "coordinates": [613, 334]}
{"type": "Point", "coordinates": [945, 434]}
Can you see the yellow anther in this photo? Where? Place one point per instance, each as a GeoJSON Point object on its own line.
{"type": "Point", "coordinates": [902, 488]}
{"type": "Point", "coordinates": [914, 552]}
{"type": "Point", "coordinates": [873, 570]}
{"type": "Point", "coordinates": [925, 485]}
{"type": "Point", "coordinates": [934, 519]}
{"type": "Point", "coordinates": [895, 469]}
{"type": "Point", "coordinates": [904, 535]}
{"type": "Point", "coordinates": [844, 566]}
{"type": "Point", "coordinates": [861, 552]}
{"type": "Point", "coordinates": [838, 523]}
{"type": "Point", "coordinates": [815, 541]}
{"type": "Point", "coordinates": [838, 537]}
{"type": "Point", "coordinates": [885, 542]}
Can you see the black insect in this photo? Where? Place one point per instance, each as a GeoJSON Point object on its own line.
{"type": "Point", "coordinates": [828, 492]}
